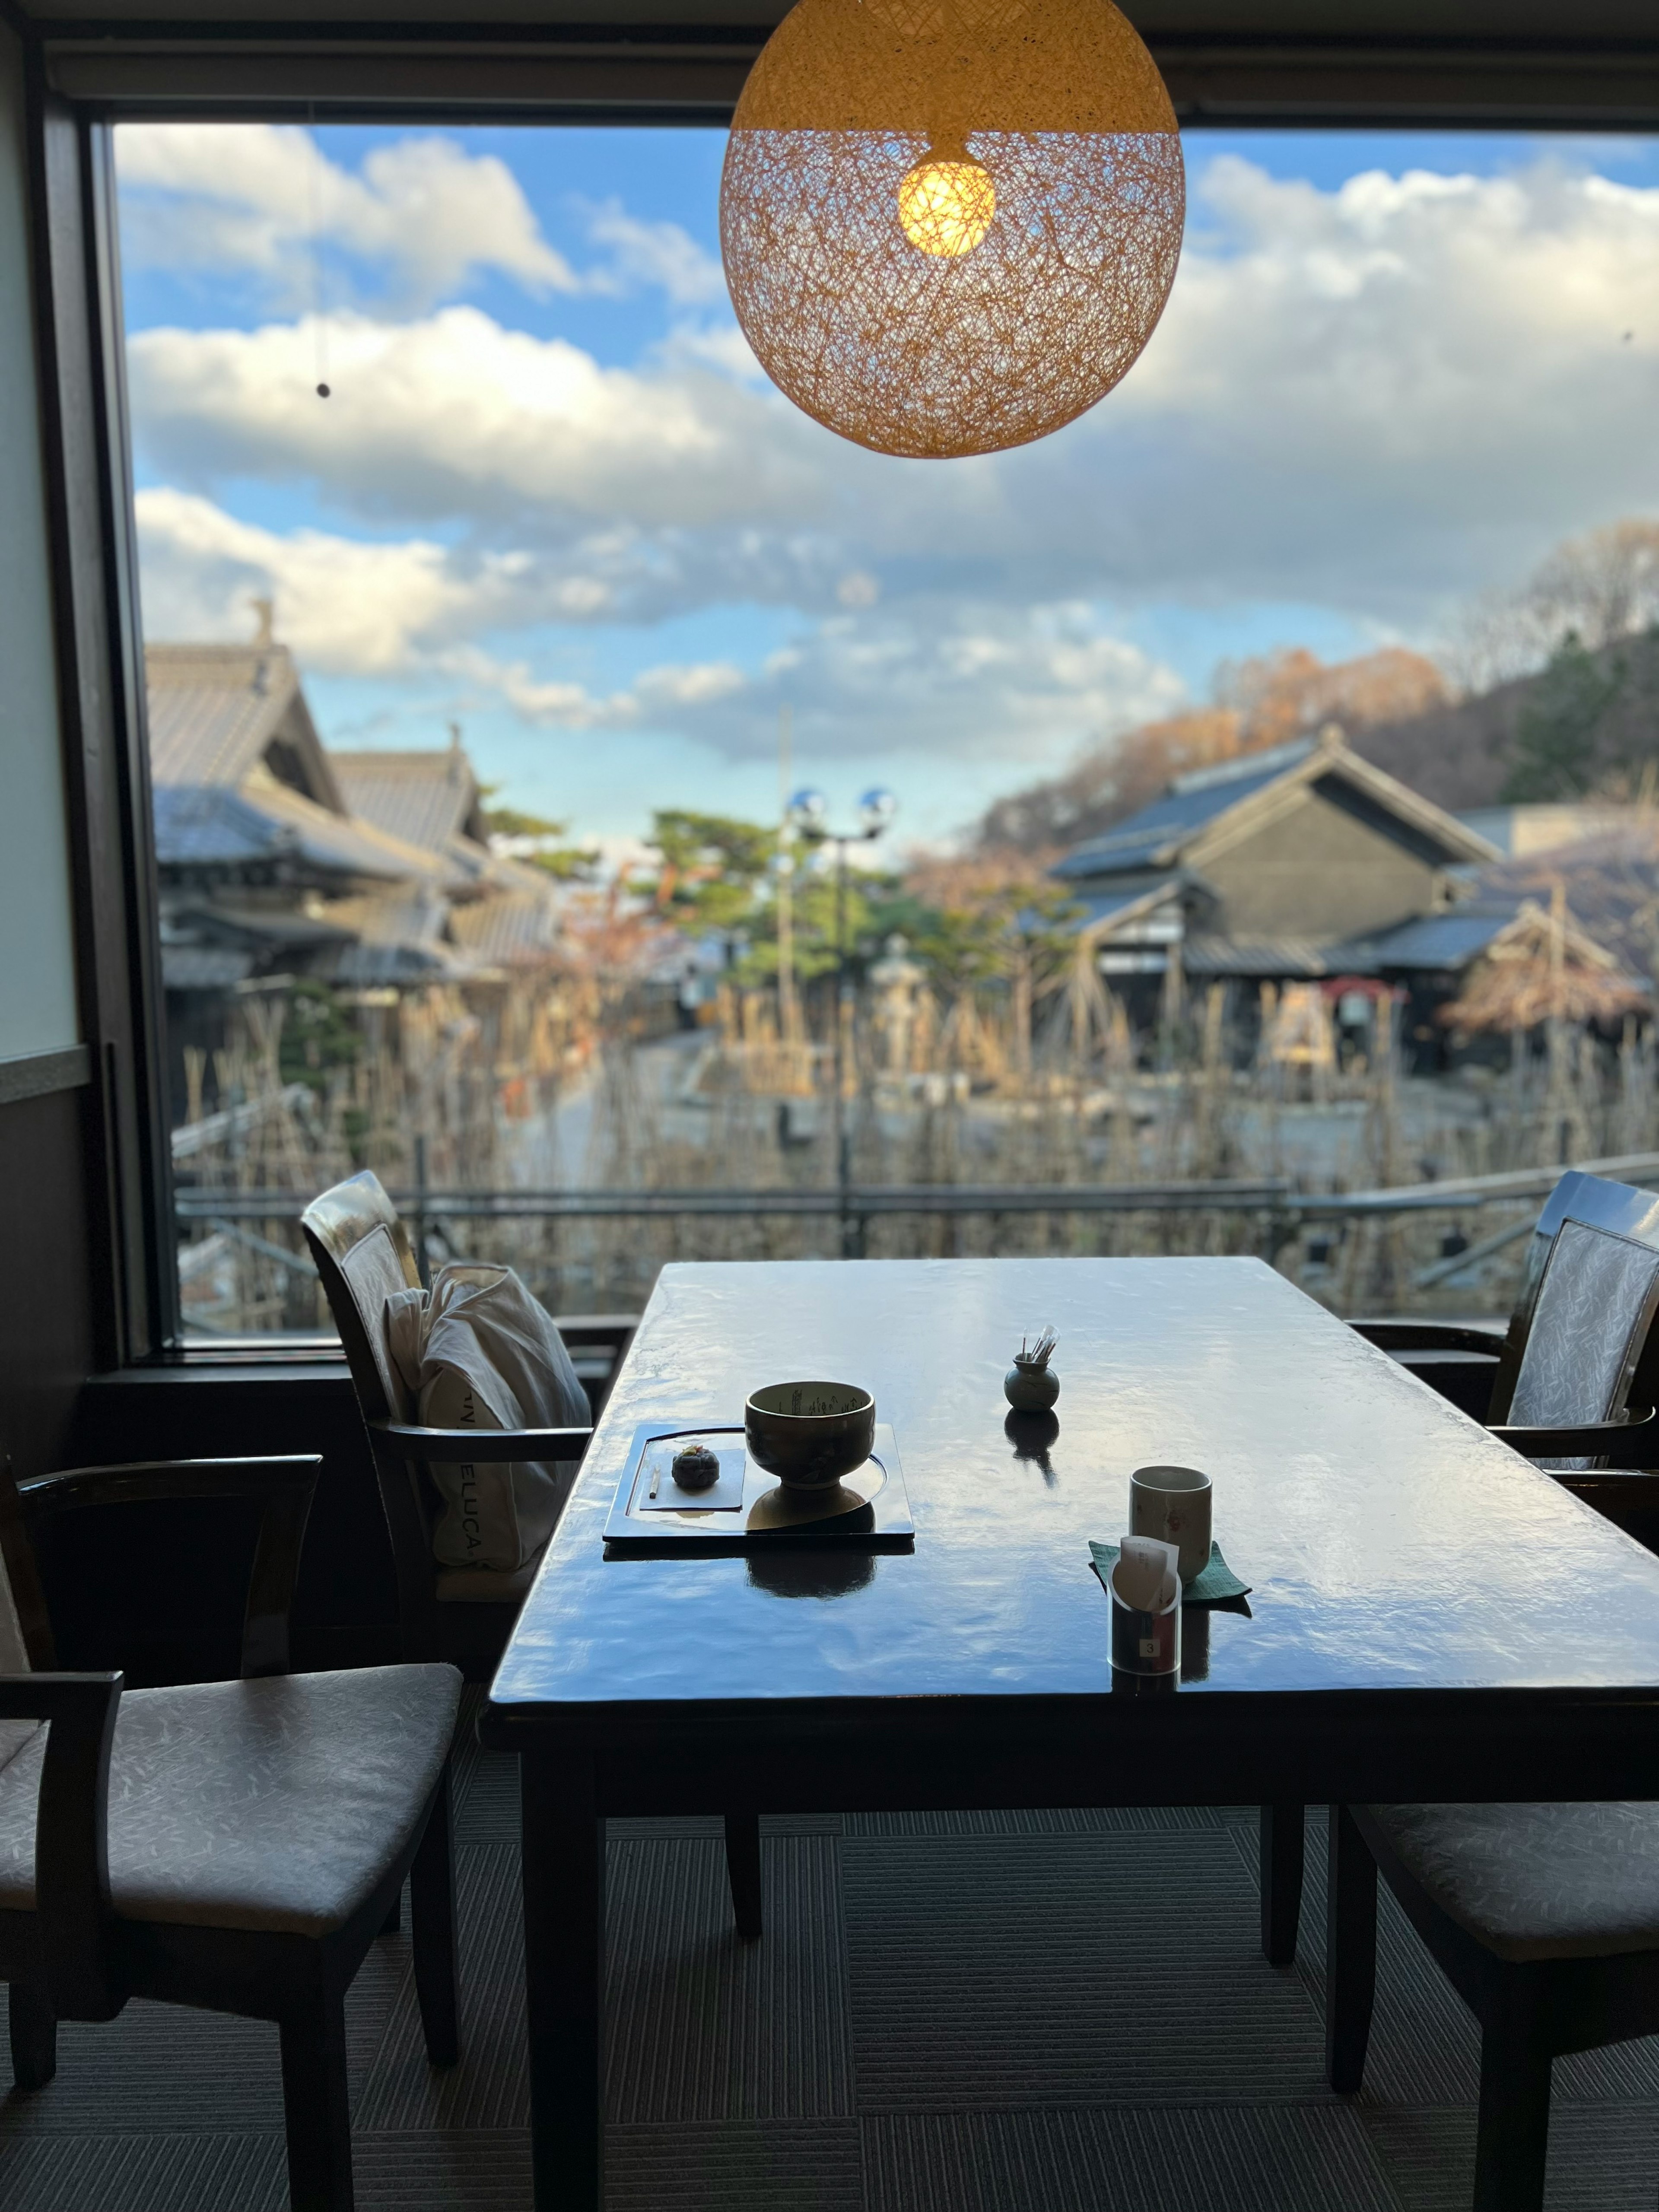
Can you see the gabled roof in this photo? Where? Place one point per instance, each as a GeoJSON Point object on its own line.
{"type": "Point", "coordinates": [1269, 958]}
{"type": "Point", "coordinates": [399, 936]}
{"type": "Point", "coordinates": [1447, 944]}
{"type": "Point", "coordinates": [517, 929]}
{"type": "Point", "coordinates": [1155, 835]}
{"type": "Point", "coordinates": [1440, 944]}
{"type": "Point", "coordinates": [1215, 804]}
{"type": "Point", "coordinates": [428, 799]}
{"type": "Point", "coordinates": [216, 712]}
{"type": "Point", "coordinates": [205, 826]}
{"type": "Point", "coordinates": [1122, 904]}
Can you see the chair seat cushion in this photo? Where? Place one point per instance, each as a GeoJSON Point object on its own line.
{"type": "Point", "coordinates": [274, 1805]}
{"type": "Point", "coordinates": [1536, 1881]}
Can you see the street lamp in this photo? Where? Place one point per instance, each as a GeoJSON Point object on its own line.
{"type": "Point", "coordinates": [808, 816]}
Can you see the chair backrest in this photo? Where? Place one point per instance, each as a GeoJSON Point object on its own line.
{"type": "Point", "coordinates": [1616, 1208]}
{"type": "Point", "coordinates": [1592, 1326]}
{"type": "Point", "coordinates": [25, 1630]}
{"type": "Point", "coordinates": [363, 1256]}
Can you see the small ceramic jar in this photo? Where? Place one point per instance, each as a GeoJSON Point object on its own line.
{"type": "Point", "coordinates": [1030, 1386]}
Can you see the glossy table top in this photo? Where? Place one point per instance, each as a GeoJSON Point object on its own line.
{"type": "Point", "coordinates": [1389, 1542]}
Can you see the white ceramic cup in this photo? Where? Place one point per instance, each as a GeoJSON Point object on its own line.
{"type": "Point", "coordinates": [1173, 1504]}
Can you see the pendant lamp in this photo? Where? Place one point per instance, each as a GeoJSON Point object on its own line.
{"type": "Point", "coordinates": [949, 226]}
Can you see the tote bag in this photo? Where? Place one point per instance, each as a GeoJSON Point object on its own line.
{"type": "Point", "coordinates": [478, 1352]}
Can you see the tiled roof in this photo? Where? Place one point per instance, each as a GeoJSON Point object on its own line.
{"type": "Point", "coordinates": [213, 710]}
{"type": "Point", "coordinates": [1087, 913]}
{"type": "Point", "coordinates": [399, 936]}
{"type": "Point", "coordinates": [1265, 957]}
{"type": "Point", "coordinates": [367, 849]}
{"type": "Point", "coordinates": [1438, 943]}
{"type": "Point", "coordinates": [1189, 805]}
{"type": "Point", "coordinates": [514, 929]}
{"type": "Point", "coordinates": [202, 826]}
{"type": "Point", "coordinates": [426, 798]}
{"type": "Point", "coordinates": [204, 966]}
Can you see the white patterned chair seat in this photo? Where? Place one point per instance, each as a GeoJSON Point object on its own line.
{"type": "Point", "coordinates": [273, 1805]}
{"type": "Point", "coordinates": [1536, 1881]}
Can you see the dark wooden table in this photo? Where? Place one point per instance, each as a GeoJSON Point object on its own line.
{"type": "Point", "coordinates": [1431, 1618]}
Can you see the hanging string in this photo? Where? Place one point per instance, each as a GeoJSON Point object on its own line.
{"type": "Point", "coordinates": [319, 325]}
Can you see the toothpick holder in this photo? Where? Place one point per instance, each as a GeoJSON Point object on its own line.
{"type": "Point", "coordinates": [1147, 1642]}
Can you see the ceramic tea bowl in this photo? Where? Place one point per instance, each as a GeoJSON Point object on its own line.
{"type": "Point", "coordinates": [810, 1434]}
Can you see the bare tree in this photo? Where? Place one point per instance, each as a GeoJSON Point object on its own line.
{"type": "Point", "coordinates": [1598, 588]}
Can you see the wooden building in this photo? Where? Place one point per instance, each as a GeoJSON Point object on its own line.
{"type": "Point", "coordinates": [278, 860]}
{"type": "Point", "coordinates": [1265, 868]}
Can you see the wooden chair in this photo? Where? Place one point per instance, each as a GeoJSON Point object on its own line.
{"type": "Point", "coordinates": [1476, 1367]}
{"type": "Point", "coordinates": [463, 1614]}
{"type": "Point", "coordinates": [459, 1614]}
{"type": "Point", "coordinates": [1549, 1384]}
{"type": "Point", "coordinates": [232, 1846]}
{"type": "Point", "coordinates": [1545, 1918]}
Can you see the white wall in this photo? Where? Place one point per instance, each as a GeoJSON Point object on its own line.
{"type": "Point", "coordinates": [37, 958]}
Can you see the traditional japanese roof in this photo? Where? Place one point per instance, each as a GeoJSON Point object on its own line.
{"type": "Point", "coordinates": [1155, 835]}
{"type": "Point", "coordinates": [428, 798]}
{"type": "Point", "coordinates": [206, 827]}
{"type": "Point", "coordinates": [1115, 908]}
{"type": "Point", "coordinates": [1216, 804]}
{"type": "Point", "coordinates": [399, 936]}
{"type": "Point", "coordinates": [1430, 943]}
{"type": "Point", "coordinates": [204, 966]}
{"type": "Point", "coordinates": [1541, 967]}
{"type": "Point", "coordinates": [216, 712]}
{"type": "Point", "coordinates": [514, 929]}
{"type": "Point", "coordinates": [1263, 957]}
{"type": "Point", "coordinates": [246, 797]}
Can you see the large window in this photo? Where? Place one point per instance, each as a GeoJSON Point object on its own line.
{"type": "Point", "coordinates": [494, 605]}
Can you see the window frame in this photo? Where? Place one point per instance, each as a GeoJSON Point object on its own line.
{"type": "Point", "coordinates": [82, 78]}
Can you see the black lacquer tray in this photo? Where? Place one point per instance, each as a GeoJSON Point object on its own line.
{"type": "Point", "coordinates": [750, 1509]}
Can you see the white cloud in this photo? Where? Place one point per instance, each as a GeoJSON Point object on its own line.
{"type": "Point", "coordinates": [1369, 400]}
{"type": "Point", "coordinates": [652, 254]}
{"type": "Point", "coordinates": [347, 605]}
{"type": "Point", "coordinates": [262, 198]}
{"type": "Point", "coordinates": [254, 196]}
{"type": "Point", "coordinates": [976, 680]}
{"type": "Point", "coordinates": [452, 414]}
{"type": "Point", "coordinates": [1386, 391]}
{"type": "Point", "coordinates": [957, 678]}
{"type": "Point", "coordinates": [656, 695]}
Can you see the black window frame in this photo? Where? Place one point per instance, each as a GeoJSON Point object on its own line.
{"type": "Point", "coordinates": [83, 77]}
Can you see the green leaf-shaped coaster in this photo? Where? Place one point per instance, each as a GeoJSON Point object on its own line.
{"type": "Point", "coordinates": [1214, 1586]}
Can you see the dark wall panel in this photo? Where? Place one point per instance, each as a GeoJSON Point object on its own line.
{"type": "Point", "coordinates": [45, 1304]}
{"type": "Point", "coordinates": [195, 1562]}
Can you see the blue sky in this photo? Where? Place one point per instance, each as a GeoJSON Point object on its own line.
{"type": "Point", "coordinates": [551, 498]}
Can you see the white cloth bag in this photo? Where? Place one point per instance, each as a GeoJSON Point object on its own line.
{"type": "Point", "coordinates": [478, 1352]}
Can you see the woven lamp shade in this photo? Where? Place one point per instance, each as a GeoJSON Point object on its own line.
{"type": "Point", "coordinates": [949, 226]}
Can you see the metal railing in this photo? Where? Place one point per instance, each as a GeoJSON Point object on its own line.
{"type": "Point", "coordinates": [1282, 1209]}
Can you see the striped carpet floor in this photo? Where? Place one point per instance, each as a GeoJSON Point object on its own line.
{"type": "Point", "coordinates": [1030, 2012]}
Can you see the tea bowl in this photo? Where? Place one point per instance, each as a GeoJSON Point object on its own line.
{"type": "Point", "coordinates": [810, 1434]}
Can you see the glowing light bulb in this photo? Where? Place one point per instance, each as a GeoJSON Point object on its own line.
{"type": "Point", "coordinates": [946, 203]}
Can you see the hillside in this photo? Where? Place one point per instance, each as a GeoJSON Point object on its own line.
{"type": "Point", "coordinates": [1462, 755]}
{"type": "Point", "coordinates": [1587, 719]}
